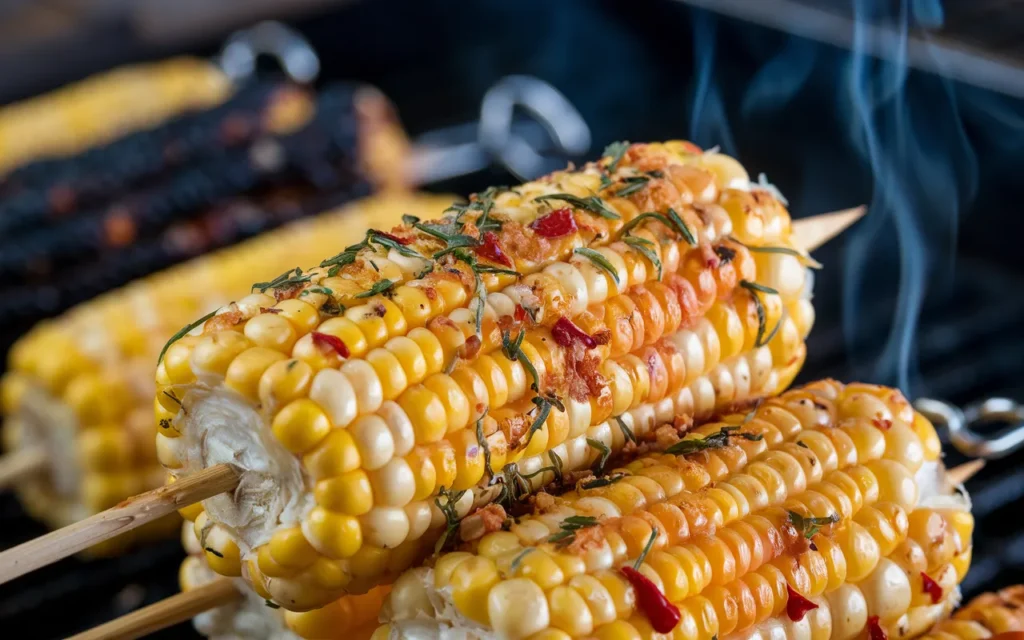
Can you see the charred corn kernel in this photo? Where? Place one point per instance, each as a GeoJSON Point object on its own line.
{"type": "Point", "coordinates": [430, 402]}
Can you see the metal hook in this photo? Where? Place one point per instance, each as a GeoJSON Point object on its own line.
{"type": "Point", "coordinates": [527, 149]}
{"type": "Point", "coordinates": [295, 55]}
{"type": "Point", "coordinates": [959, 423]}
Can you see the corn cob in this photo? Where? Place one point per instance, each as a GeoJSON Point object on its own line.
{"type": "Point", "coordinates": [106, 106]}
{"type": "Point", "coordinates": [253, 618]}
{"type": "Point", "coordinates": [321, 154]}
{"type": "Point", "coordinates": [822, 513]}
{"type": "Point", "coordinates": [372, 401]}
{"type": "Point", "coordinates": [37, 192]}
{"type": "Point", "coordinates": [76, 384]}
{"type": "Point", "coordinates": [990, 615]}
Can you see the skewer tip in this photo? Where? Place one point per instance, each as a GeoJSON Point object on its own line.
{"type": "Point", "coordinates": [964, 472]}
{"type": "Point", "coordinates": [811, 233]}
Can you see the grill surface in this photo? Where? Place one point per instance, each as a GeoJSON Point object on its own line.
{"type": "Point", "coordinates": [968, 346]}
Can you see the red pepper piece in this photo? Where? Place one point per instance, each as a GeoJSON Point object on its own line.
{"type": "Point", "coordinates": [662, 614]}
{"type": "Point", "coordinates": [557, 223]}
{"type": "Point", "coordinates": [797, 606]}
{"type": "Point", "coordinates": [492, 251]}
{"type": "Point", "coordinates": [931, 587]}
{"type": "Point", "coordinates": [875, 630]}
{"type": "Point", "coordinates": [401, 241]}
{"type": "Point", "coordinates": [326, 340]}
{"type": "Point", "coordinates": [566, 333]}
{"type": "Point", "coordinates": [520, 313]}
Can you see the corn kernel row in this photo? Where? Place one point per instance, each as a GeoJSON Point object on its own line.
{"type": "Point", "coordinates": [990, 615]}
{"type": "Point", "coordinates": [383, 426]}
{"type": "Point", "coordinates": [106, 106]}
{"type": "Point", "coordinates": [77, 384]}
{"type": "Point", "coordinates": [728, 555]}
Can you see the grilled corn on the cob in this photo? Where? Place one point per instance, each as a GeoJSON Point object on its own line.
{"type": "Point", "coordinates": [77, 386]}
{"type": "Point", "coordinates": [991, 615]}
{"type": "Point", "coordinates": [105, 106]}
{"type": "Point", "coordinates": [823, 513]}
{"type": "Point", "coordinates": [373, 400]}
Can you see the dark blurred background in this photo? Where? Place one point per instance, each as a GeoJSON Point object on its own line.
{"type": "Point", "coordinates": [914, 108]}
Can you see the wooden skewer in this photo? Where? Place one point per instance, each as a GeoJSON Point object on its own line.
{"type": "Point", "coordinates": [130, 514]}
{"type": "Point", "coordinates": [187, 605]}
{"type": "Point", "coordinates": [20, 464]}
{"type": "Point", "coordinates": [166, 613]}
{"type": "Point", "coordinates": [964, 472]}
{"type": "Point", "coordinates": [811, 233]}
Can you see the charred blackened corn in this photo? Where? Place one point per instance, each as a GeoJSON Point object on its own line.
{"type": "Point", "coordinates": [77, 386]}
{"type": "Point", "coordinates": [372, 401]}
{"type": "Point", "coordinates": [823, 513]}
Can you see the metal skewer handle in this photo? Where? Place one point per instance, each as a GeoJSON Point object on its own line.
{"type": "Point", "coordinates": [960, 422]}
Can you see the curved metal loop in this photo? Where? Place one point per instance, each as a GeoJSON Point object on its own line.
{"type": "Point", "coordinates": [559, 118]}
{"type": "Point", "coordinates": [295, 55]}
{"type": "Point", "coordinates": [959, 423]}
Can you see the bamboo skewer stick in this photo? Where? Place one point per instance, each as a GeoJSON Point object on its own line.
{"type": "Point", "coordinates": [20, 464]}
{"type": "Point", "coordinates": [130, 514]}
{"type": "Point", "coordinates": [221, 591]}
{"type": "Point", "coordinates": [168, 612]}
{"type": "Point", "coordinates": [811, 233]}
{"type": "Point", "coordinates": [964, 472]}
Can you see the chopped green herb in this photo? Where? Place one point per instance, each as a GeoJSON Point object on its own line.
{"type": "Point", "coordinates": [569, 527]}
{"type": "Point", "coordinates": [801, 443]}
{"type": "Point", "coordinates": [482, 441]}
{"type": "Point", "coordinates": [310, 291]}
{"type": "Point", "coordinates": [287, 279]}
{"type": "Point", "coordinates": [606, 181]}
{"type": "Point", "coordinates": [555, 467]}
{"type": "Point", "coordinates": [632, 185]}
{"type": "Point", "coordinates": [605, 454]}
{"type": "Point", "coordinates": [642, 246]}
{"type": "Point", "coordinates": [214, 552]}
{"type": "Point", "coordinates": [511, 347]}
{"type": "Point", "coordinates": [388, 242]}
{"type": "Point", "coordinates": [680, 224]}
{"type": "Point", "coordinates": [181, 334]}
{"type": "Point", "coordinates": [807, 526]}
{"type": "Point", "coordinates": [451, 516]}
{"type": "Point", "coordinates": [603, 481]}
{"type": "Point", "coordinates": [649, 215]}
{"type": "Point", "coordinates": [647, 549]}
{"type": "Point", "coordinates": [615, 151]}
{"type": "Point", "coordinates": [271, 604]}
{"type": "Point", "coordinates": [592, 204]}
{"type": "Point", "coordinates": [381, 287]}
{"type": "Point", "coordinates": [762, 314]}
{"type": "Point", "coordinates": [543, 410]}
{"type": "Point", "coordinates": [598, 260]}
{"type": "Point", "coordinates": [519, 558]}
{"type": "Point", "coordinates": [174, 398]}
{"type": "Point", "coordinates": [718, 440]}
{"type": "Point", "coordinates": [409, 219]}
{"type": "Point", "coordinates": [627, 433]}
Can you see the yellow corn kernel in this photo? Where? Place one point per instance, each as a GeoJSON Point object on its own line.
{"type": "Point", "coordinates": [246, 371]}
{"type": "Point", "coordinates": [289, 548]}
{"type": "Point", "coordinates": [348, 332]}
{"type": "Point", "coordinates": [413, 304]}
{"type": "Point", "coordinates": [303, 316]}
{"type": "Point", "coordinates": [515, 608]}
{"type": "Point", "coordinates": [471, 581]}
{"type": "Point", "coordinates": [214, 352]}
{"type": "Point", "coordinates": [469, 459]}
{"type": "Point", "coordinates": [333, 456]}
{"type": "Point", "coordinates": [271, 331]}
{"type": "Point", "coordinates": [333, 534]}
{"type": "Point", "coordinates": [427, 413]}
{"type": "Point", "coordinates": [455, 403]}
{"type": "Point", "coordinates": [349, 493]}
{"type": "Point", "coordinates": [301, 425]}
{"type": "Point", "coordinates": [370, 324]}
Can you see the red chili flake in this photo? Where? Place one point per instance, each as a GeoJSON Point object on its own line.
{"type": "Point", "coordinates": [882, 423]}
{"type": "Point", "coordinates": [273, 310]}
{"type": "Point", "coordinates": [565, 333]}
{"type": "Point", "coordinates": [797, 606]}
{"type": "Point", "coordinates": [662, 614]}
{"type": "Point", "coordinates": [331, 342]}
{"type": "Point", "coordinates": [875, 630]}
{"type": "Point", "coordinates": [931, 587]}
{"type": "Point", "coordinates": [401, 241]}
{"type": "Point", "coordinates": [492, 251]}
{"type": "Point", "coordinates": [559, 222]}
{"type": "Point", "coordinates": [520, 313]}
